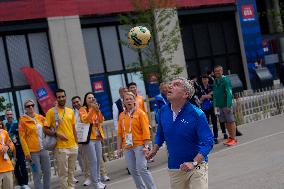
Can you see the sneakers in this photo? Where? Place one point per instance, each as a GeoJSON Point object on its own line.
{"type": "Point", "coordinates": [225, 136]}
{"type": "Point", "coordinates": [230, 142]}
{"type": "Point", "coordinates": [87, 182]}
{"type": "Point", "coordinates": [25, 187]}
{"type": "Point", "coordinates": [75, 180]}
{"type": "Point", "coordinates": [216, 141]}
{"type": "Point", "coordinates": [238, 133]}
{"type": "Point", "coordinates": [105, 178]}
{"type": "Point", "coordinates": [100, 185]}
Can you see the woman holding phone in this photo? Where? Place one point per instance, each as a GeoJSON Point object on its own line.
{"type": "Point", "coordinates": [90, 114]}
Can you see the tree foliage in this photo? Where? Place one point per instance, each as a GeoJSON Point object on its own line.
{"type": "Point", "coordinates": [156, 15]}
{"type": "Point", "coordinates": [3, 105]}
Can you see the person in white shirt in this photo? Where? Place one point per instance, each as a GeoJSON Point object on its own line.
{"type": "Point", "coordinates": [117, 107]}
{"type": "Point", "coordinates": [76, 104]}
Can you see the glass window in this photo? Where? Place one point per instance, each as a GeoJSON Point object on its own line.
{"type": "Point", "coordinates": [4, 79]}
{"type": "Point", "coordinates": [93, 50]}
{"type": "Point", "coordinates": [24, 95]}
{"type": "Point", "coordinates": [115, 82]}
{"type": "Point", "coordinates": [130, 56]}
{"type": "Point", "coordinates": [40, 55]}
{"type": "Point", "coordinates": [111, 48]}
{"type": "Point", "coordinates": [138, 79]}
{"type": "Point", "coordinates": [8, 99]}
{"type": "Point", "coordinates": [18, 56]}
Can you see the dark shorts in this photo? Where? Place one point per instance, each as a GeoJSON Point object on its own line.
{"type": "Point", "coordinates": [227, 117]}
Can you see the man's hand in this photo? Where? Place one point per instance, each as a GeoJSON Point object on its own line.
{"type": "Point", "coordinates": [187, 166]}
{"type": "Point", "coordinates": [61, 136]}
{"type": "Point", "coordinates": [145, 151]}
{"type": "Point", "coordinates": [150, 154]}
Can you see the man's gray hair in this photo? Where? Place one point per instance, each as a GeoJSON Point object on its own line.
{"type": "Point", "coordinates": [188, 86]}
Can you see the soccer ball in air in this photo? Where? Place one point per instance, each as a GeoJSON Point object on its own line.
{"type": "Point", "coordinates": [139, 37]}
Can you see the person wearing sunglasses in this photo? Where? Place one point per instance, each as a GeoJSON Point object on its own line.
{"type": "Point", "coordinates": [31, 137]}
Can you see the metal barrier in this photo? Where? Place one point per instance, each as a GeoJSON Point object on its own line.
{"type": "Point", "coordinates": [254, 106]}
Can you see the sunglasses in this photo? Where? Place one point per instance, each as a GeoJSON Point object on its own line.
{"type": "Point", "coordinates": [28, 106]}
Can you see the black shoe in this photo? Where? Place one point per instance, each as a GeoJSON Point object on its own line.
{"type": "Point", "coordinates": [225, 136]}
{"type": "Point", "coordinates": [216, 141]}
{"type": "Point", "coordinates": [238, 133]}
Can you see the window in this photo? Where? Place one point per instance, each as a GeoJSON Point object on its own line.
{"type": "Point", "coordinates": [40, 55]}
{"type": "Point", "coordinates": [8, 99]}
{"type": "Point", "coordinates": [111, 48]}
{"type": "Point", "coordinates": [93, 50]}
{"type": "Point", "coordinates": [115, 82]}
{"type": "Point", "coordinates": [130, 56]}
{"type": "Point", "coordinates": [4, 79]}
{"type": "Point", "coordinates": [18, 56]}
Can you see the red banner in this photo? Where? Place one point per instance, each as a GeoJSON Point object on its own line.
{"type": "Point", "coordinates": [33, 9]}
{"type": "Point", "coordinates": [40, 88]}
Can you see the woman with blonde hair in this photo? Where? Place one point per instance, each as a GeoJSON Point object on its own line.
{"type": "Point", "coordinates": [31, 137]}
{"type": "Point", "coordinates": [90, 114]}
{"type": "Point", "coordinates": [133, 135]}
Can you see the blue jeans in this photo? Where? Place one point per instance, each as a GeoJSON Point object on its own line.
{"type": "Point", "coordinates": [137, 165]}
{"type": "Point", "coordinates": [42, 164]}
{"type": "Point", "coordinates": [93, 152]}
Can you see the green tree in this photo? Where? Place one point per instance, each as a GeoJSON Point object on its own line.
{"type": "Point", "coordinates": [3, 105]}
{"type": "Point", "coordinates": [158, 56]}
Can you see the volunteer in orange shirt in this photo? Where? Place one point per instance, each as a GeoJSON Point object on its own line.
{"type": "Point", "coordinates": [6, 166]}
{"type": "Point", "coordinates": [31, 137]}
{"type": "Point", "coordinates": [133, 135]}
{"type": "Point", "coordinates": [132, 87]}
{"type": "Point", "coordinates": [91, 114]}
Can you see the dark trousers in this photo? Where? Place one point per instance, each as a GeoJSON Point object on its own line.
{"type": "Point", "coordinates": [210, 113]}
{"type": "Point", "coordinates": [21, 172]}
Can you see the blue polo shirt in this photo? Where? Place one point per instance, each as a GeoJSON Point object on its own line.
{"type": "Point", "coordinates": [185, 137]}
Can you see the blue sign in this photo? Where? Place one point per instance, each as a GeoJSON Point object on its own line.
{"type": "Point", "coordinates": [41, 92]}
{"type": "Point", "coordinates": [251, 34]}
{"type": "Point", "coordinates": [99, 83]}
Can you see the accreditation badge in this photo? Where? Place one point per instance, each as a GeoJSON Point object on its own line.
{"type": "Point", "coordinates": [129, 139]}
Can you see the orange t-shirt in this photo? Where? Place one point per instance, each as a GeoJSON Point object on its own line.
{"type": "Point", "coordinates": [96, 119]}
{"type": "Point", "coordinates": [5, 165]}
{"type": "Point", "coordinates": [140, 103]}
{"type": "Point", "coordinates": [140, 127]}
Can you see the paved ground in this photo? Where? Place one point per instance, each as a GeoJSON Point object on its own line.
{"type": "Point", "coordinates": [256, 162]}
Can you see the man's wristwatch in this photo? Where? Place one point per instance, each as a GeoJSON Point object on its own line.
{"type": "Point", "coordinates": [194, 163]}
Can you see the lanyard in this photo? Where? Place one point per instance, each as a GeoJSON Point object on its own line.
{"type": "Point", "coordinates": [2, 137]}
{"type": "Point", "coordinates": [131, 113]}
{"type": "Point", "coordinates": [57, 118]}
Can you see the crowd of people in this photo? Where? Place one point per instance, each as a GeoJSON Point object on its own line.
{"type": "Point", "coordinates": [182, 110]}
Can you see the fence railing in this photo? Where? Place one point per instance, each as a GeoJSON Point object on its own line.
{"type": "Point", "coordinates": [258, 105]}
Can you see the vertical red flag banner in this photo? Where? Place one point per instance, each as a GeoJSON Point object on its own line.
{"type": "Point", "coordinates": [40, 88]}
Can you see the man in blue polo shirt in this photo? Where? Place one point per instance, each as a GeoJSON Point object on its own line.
{"type": "Point", "coordinates": [189, 139]}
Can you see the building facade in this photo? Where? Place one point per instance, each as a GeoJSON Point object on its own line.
{"type": "Point", "coordinates": [74, 44]}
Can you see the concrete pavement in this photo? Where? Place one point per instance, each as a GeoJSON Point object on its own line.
{"type": "Point", "coordinates": [256, 162]}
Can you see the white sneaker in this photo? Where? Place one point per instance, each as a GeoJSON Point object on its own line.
{"type": "Point", "coordinates": [17, 187]}
{"type": "Point", "coordinates": [26, 187]}
{"type": "Point", "coordinates": [87, 182]}
{"type": "Point", "coordinates": [100, 185]}
{"type": "Point", "coordinates": [75, 180]}
{"type": "Point", "coordinates": [106, 178]}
